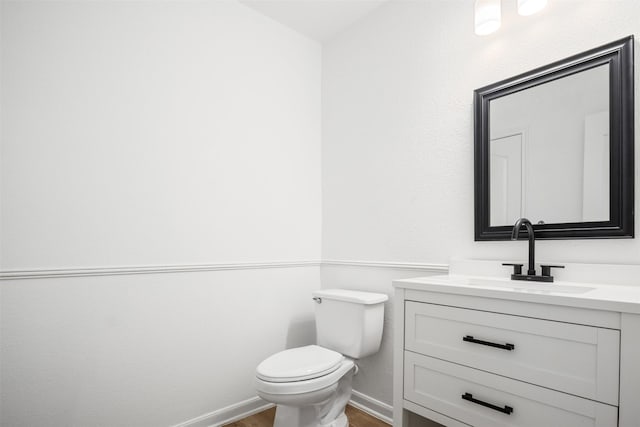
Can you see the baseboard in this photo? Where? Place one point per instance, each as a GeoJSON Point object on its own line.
{"type": "Point", "coordinates": [229, 414]}
{"type": "Point", "coordinates": [372, 406]}
{"type": "Point", "coordinates": [254, 405]}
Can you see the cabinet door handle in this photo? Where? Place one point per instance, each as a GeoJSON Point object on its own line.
{"type": "Point", "coordinates": [506, 410]}
{"type": "Point", "coordinates": [506, 346]}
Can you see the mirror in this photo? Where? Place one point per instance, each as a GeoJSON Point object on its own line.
{"type": "Point", "coordinates": [555, 145]}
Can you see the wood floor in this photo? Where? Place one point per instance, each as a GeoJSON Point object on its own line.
{"type": "Point", "coordinates": [357, 418]}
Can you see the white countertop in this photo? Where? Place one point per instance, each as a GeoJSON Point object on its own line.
{"type": "Point", "coordinates": [601, 296]}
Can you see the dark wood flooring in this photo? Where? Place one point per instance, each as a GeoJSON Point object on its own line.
{"type": "Point", "coordinates": [357, 418]}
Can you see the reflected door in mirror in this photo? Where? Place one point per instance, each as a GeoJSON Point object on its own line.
{"type": "Point", "coordinates": [595, 196]}
{"type": "Point", "coordinates": [507, 179]}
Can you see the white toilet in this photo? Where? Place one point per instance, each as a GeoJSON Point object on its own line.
{"type": "Point", "coordinates": [311, 385]}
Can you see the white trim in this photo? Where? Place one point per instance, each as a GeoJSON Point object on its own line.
{"type": "Point", "coordinates": [228, 414]}
{"type": "Point", "coordinates": [371, 406]}
{"type": "Point", "coordinates": [148, 269]}
{"type": "Point", "coordinates": [442, 268]}
{"type": "Point", "coordinates": [246, 408]}
{"type": "Point", "coordinates": [190, 268]}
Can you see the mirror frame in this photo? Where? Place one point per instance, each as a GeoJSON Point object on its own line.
{"type": "Point", "coordinates": [619, 56]}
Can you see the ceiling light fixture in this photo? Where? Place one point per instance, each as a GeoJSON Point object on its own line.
{"type": "Point", "coordinates": [488, 16]}
{"type": "Point", "coordinates": [529, 7]}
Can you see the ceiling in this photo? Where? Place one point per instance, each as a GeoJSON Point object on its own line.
{"type": "Point", "coordinates": [317, 19]}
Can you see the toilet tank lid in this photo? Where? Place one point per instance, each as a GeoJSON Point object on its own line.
{"type": "Point", "coordinates": [357, 297]}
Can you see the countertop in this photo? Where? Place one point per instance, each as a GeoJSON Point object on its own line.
{"type": "Point", "coordinates": [600, 296]}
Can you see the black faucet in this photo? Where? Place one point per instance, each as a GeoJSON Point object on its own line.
{"type": "Point", "coordinates": [531, 271]}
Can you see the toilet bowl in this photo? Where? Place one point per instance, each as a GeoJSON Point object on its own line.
{"type": "Point", "coordinates": [311, 385]}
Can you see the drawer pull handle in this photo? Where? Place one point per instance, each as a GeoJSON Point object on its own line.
{"type": "Point", "coordinates": [506, 346]}
{"type": "Point", "coordinates": [506, 410]}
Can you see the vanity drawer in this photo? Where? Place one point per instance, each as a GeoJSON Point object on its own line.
{"type": "Point", "coordinates": [495, 401]}
{"type": "Point", "coordinates": [577, 359]}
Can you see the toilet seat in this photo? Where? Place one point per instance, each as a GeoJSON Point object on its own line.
{"type": "Point", "coordinates": [299, 364]}
{"type": "Point", "coordinates": [305, 386]}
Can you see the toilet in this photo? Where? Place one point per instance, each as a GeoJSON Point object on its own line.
{"type": "Point", "coordinates": [311, 385]}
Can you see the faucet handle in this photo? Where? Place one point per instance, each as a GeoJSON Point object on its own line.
{"type": "Point", "coordinates": [546, 269]}
{"type": "Point", "coordinates": [517, 268]}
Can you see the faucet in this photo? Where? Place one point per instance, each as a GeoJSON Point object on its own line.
{"type": "Point", "coordinates": [531, 271]}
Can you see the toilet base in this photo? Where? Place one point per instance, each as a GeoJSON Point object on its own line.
{"type": "Point", "coordinates": [305, 417]}
{"type": "Point", "coordinates": [322, 408]}
{"type": "Point", "coordinates": [341, 421]}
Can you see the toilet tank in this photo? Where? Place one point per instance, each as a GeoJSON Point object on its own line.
{"type": "Point", "coordinates": [349, 322]}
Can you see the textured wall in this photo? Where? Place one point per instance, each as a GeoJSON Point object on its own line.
{"type": "Point", "coordinates": [398, 125]}
{"type": "Point", "coordinates": [398, 135]}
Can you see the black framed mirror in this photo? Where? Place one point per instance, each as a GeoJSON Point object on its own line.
{"type": "Point", "coordinates": [556, 145]}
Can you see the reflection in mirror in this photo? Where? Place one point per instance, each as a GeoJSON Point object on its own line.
{"type": "Point", "coordinates": [549, 151]}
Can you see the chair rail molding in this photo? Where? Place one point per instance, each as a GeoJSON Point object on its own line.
{"type": "Point", "coordinates": [65, 272]}
{"type": "Point", "coordinates": [149, 269]}
{"type": "Point", "coordinates": [438, 268]}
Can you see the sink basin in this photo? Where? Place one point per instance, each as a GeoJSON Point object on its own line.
{"type": "Point", "coordinates": [526, 287]}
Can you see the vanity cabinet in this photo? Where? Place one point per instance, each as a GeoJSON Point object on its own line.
{"type": "Point", "coordinates": [576, 359]}
{"type": "Point", "coordinates": [489, 359]}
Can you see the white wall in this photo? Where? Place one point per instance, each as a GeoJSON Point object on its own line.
{"type": "Point", "coordinates": [148, 349]}
{"type": "Point", "coordinates": [156, 132]}
{"type": "Point", "coordinates": [398, 133]}
{"type": "Point", "coordinates": [159, 134]}
{"type": "Point", "coordinates": [398, 125]}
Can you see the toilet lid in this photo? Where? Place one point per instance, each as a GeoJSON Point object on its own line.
{"type": "Point", "coordinates": [298, 364]}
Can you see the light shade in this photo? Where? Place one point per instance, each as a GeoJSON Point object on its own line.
{"type": "Point", "coordinates": [529, 7]}
{"type": "Point", "coordinates": [487, 16]}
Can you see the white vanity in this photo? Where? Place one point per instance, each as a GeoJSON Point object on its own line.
{"type": "Point", "coordinates": [478, 349]}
